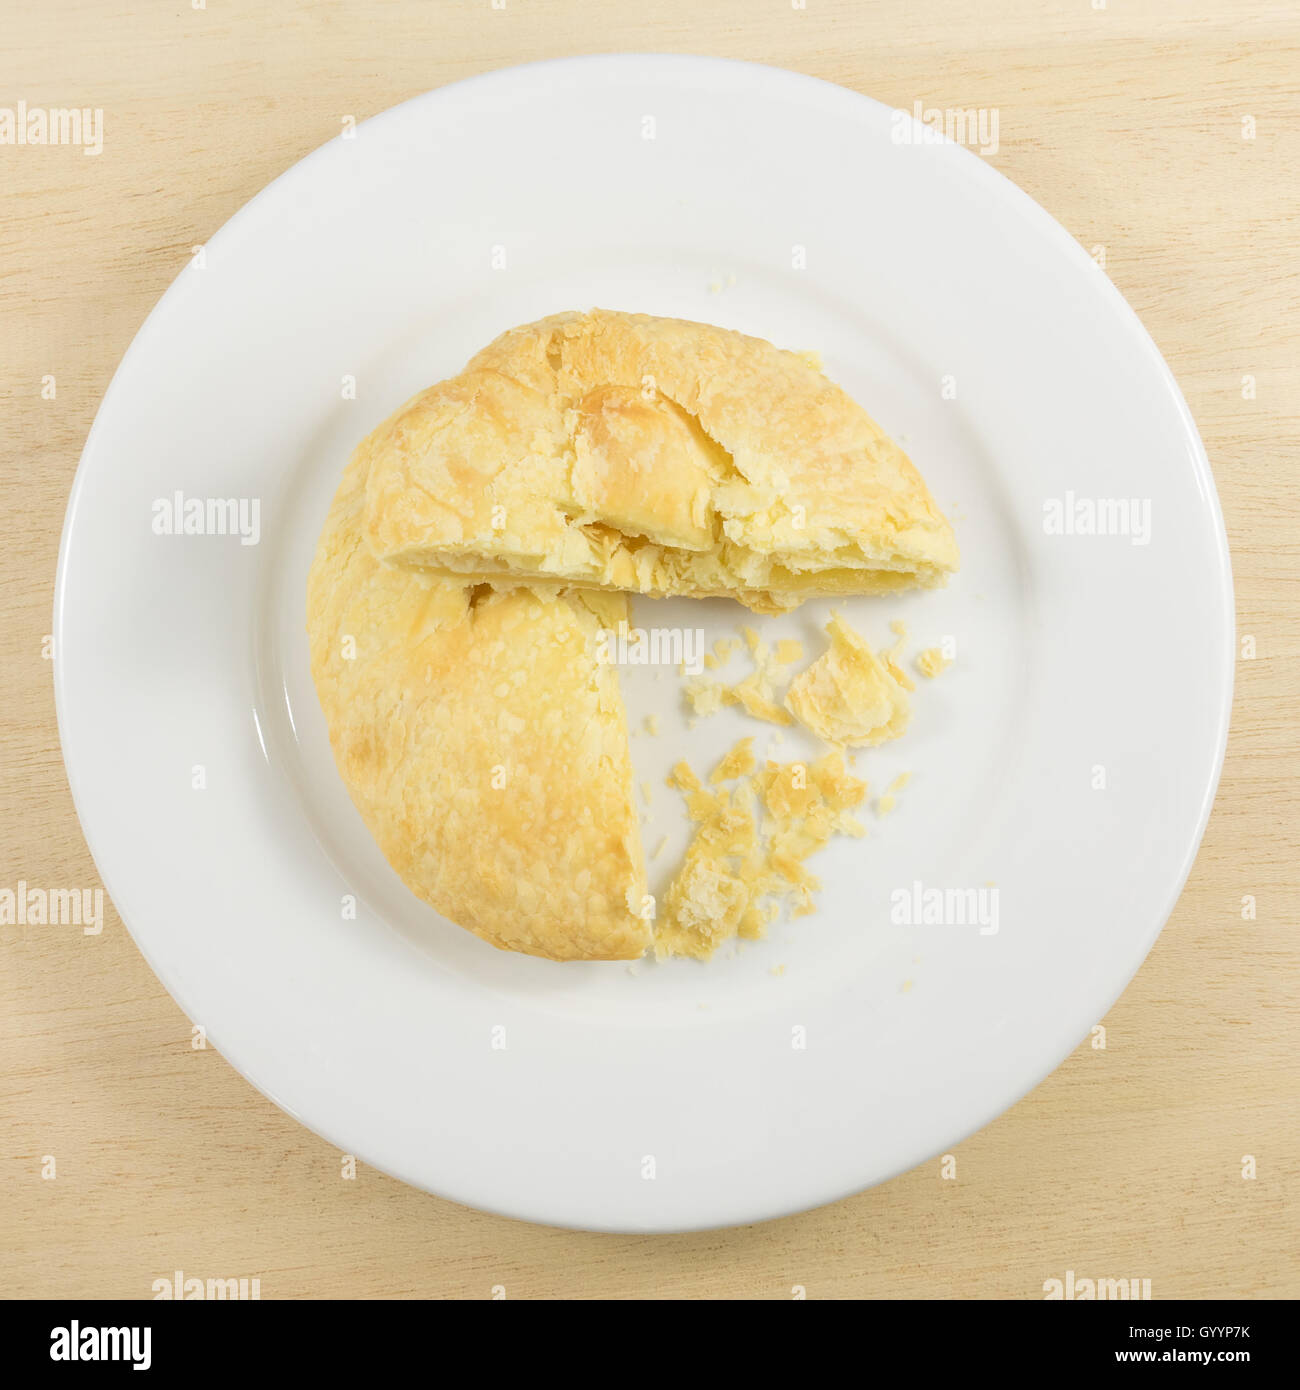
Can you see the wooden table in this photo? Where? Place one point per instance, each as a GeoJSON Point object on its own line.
{"type": "Point", "coordinates": [1129, 123]}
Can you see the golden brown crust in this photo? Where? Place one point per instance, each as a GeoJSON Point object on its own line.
{"type": "Point", "coordinates": [483, 744]}
{"type": "Point", "coordinates": [653, 455]}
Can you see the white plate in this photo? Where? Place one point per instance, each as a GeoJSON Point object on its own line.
{"type": "Point", "coordinates": [675, 1096]}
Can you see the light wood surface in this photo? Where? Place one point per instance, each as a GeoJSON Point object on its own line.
{"type": "Point", "coordinates": [1126, 123]}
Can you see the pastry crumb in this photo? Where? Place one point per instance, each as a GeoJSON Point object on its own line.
{"type": "Point", "coordinates": [682, 777]}
{"type": "Point", "coordinates": [652, 724]}
{"type": "Point", "coordinates": [705, 696]}
{"type": "Point", "coordinates": [932, 661]}
{"type": "Point", "coordinates": [756, 694]}
{"type": "Point", "coordinates": [737, 763]}
{"type": "Point", "coordinates": [748, 852]}
{"type": "Point", "coordinates": [889, 800]}
{"type": "Point", "coordinates": [753, 696]}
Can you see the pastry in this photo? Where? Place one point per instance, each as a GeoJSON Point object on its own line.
{"type": "Point", "coordinates": [483, 743]}
{"type": "Point", "coordinates": [470, 569]}
{"type": "Point", "coordinates": [652, 455]}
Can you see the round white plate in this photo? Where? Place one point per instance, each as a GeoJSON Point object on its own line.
{"type": "Point", "coordinates": [1062, 770]}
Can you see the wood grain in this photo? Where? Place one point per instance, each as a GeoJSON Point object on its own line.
{"type": "Point", "coordinates": [1126, 123]}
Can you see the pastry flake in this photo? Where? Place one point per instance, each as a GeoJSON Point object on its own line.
{"type": "Point", "coordinates": [849, 697]}
{"type": "Point", "coordinates": [932, 662]}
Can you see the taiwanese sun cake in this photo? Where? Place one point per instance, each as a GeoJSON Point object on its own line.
{"type": "Point", "coordinates": [482, 541]}
{"type": "Point", "coordinates": [620, 451]}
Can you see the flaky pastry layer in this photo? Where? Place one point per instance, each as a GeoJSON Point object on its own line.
{"type": "Point", "coordinates": [652, 455]}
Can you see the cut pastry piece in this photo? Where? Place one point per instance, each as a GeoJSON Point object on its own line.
{"type": "Point", "coordinates": [653, 455]}
{"type": "Point", "coordinates": [483, 743]}
{"type": "Point", "coordinates": [848, 696]}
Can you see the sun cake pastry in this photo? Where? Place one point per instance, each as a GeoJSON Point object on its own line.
{"type": "Point", "coordinates": [483, 539]}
